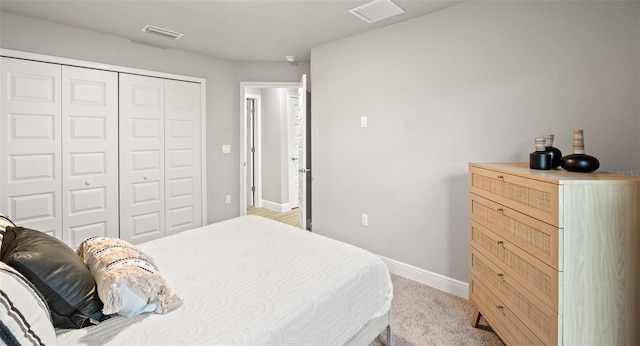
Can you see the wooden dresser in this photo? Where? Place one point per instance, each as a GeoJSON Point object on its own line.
{"type": "Point", "coordinates": [555, 255]}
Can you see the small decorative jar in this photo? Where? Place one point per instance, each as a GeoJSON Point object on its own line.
{"type": "Point", "coordinates": [556, 154]}
{"type": "Point", "coordinates": [540, 159]}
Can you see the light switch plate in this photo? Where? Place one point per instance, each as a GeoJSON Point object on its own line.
{"type": "Point", "coordinates": [226, 149]}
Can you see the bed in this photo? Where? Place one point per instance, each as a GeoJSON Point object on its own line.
{"type": "Point", "coordinates": [250, 281]}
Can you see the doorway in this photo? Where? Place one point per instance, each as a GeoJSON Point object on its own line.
{"type": "Point", "coordinates": [274, 170]}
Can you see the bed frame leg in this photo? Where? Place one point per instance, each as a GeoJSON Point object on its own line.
{"type": "Point", "coordinates": [389, 338]}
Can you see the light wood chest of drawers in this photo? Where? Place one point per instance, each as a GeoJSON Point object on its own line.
{"type": "Point", "coordinates": [555, 255]}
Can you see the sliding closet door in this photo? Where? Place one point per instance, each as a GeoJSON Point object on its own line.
{"type": "Point", "coordinates": [183, 157]}
{"type": "Point", "coordinates": [89, 154]}
{"type": "Point", "coordinates": [30, 144]}
{"type": "Point", "coordinates": [141, 158]}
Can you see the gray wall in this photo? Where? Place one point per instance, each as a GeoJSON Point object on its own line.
{"type": "Point", "coordinates": [271, 143]}
{"type": "Point", "coordinates": [275, 182]}
{"type": "Point", "coordinates": [473, 82]}
{"type": "Point", "coordinates": [223, 87]}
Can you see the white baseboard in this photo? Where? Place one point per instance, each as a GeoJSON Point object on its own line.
{"type": "Point", "coordinates": [425, 277]}
{"type": "Point", "coordinates": [280, 208]}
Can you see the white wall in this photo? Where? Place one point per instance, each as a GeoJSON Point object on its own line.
{"type": "Point", "coordinates": [222, 77]}
{"type": "Point", "coordinates": [473, 82]}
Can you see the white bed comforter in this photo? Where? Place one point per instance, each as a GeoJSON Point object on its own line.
{"type": "Point", "coordinates": [254, 281]}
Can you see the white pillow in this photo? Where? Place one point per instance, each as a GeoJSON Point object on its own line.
{"type": "Point", "coordinates": [128, 282]}
{"type": "Point", "coordinates": [24, 314]}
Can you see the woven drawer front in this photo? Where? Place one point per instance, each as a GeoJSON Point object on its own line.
{"type": "Point", "coordinates": [539, 278]}
{"type": "Point", "coordinates": [501, 318]}
{"type": "Point", "coordinates": [532, 197]}
{"type": "Point", "coordinates": [541, 319]}
{"type": "Point", "coordinates": [534, 236]}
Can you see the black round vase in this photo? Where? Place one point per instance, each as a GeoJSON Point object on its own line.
{"type": "Point", "coordinates": [556, 156]}
{"type": "Point", "coordinates": [580, 163]}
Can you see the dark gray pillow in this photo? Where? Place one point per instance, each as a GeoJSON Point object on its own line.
{"type": "Point", "coordinates": [58, 273]}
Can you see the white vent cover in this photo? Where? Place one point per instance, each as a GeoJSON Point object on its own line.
{"type": "Point", "coordinates": [376, 10]}
{"type": "Point", "coordinates": [161, 32]}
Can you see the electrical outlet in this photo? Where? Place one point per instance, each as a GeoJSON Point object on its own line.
{"type": "Point", "coordinates": [365, 220]}
{"type": "Point", "coordinates": [363, 121]}
{"type": "Point", "coordinates": [227, 199]}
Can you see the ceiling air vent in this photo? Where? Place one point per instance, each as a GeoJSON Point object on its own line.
{"type": "Point", "coordinates": [376, 10]}
{"type": "Point", "coordinates": [161, 32]}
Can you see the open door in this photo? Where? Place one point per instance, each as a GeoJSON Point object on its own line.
{"type": "Point", "coordinates": [292, 113]}
{"type": "Point", "coordinates": [304, 169]}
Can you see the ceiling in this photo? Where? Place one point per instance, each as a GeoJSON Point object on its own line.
{"type": "Point", "coordinates": [238, 30]}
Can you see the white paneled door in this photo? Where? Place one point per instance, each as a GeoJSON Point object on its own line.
{"type": "Point", "coordinates": [142, 216]}
{"type": "Point", "coordinates": [160, 157]}
{"type": "Point", "coordinates": [30, 144]}
{"type": "Point", "coordinates": [183, 187]}
{"type": "Point", "coordinates": [89, 154]}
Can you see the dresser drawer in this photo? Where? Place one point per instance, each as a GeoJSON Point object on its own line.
{"type": "Point", "coordinates": [532, 235]}
{"type": "Point", "coordinates": [501, 318]}
{"type": "Point", "coordinates": [534, 275]}
{"type": "Point", "coordinates": [528, 196]}
{"type": "Point", "coordinates": [538, 317]}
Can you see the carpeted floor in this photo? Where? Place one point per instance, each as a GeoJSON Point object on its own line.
{"type": "Point", "coordinates": [423, 316]}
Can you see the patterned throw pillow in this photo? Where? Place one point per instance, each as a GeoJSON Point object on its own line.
{"type": "Point", "coordinates": [128, 282]}
{"type": "Point", "coordinates": [4, 223]}
{"type": "Point", "coordinates": [24, 314]}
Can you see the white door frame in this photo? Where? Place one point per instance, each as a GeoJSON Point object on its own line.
{"type": "Point", "coordinates": [243, 132]}
{"type": "Point", "coordinates": [257, 155]}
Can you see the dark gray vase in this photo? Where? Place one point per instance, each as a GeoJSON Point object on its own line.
{"type": "Point", "coordinates": [579, 161]}
{"type": "Point", "coordinates": [556, 154]}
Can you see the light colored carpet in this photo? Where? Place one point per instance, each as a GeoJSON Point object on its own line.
{"type": "Point", "coordinates": [423, 316]}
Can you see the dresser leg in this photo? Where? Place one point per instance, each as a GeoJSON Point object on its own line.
{"type": "Point", "coordinates": [475, 317]}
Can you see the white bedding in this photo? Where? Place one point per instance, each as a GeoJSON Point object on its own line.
{"type": "Point", "coordinates": [254, 281]}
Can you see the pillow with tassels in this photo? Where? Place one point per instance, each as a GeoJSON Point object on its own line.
{"type": "Point", "coordinates": [128, 281]}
